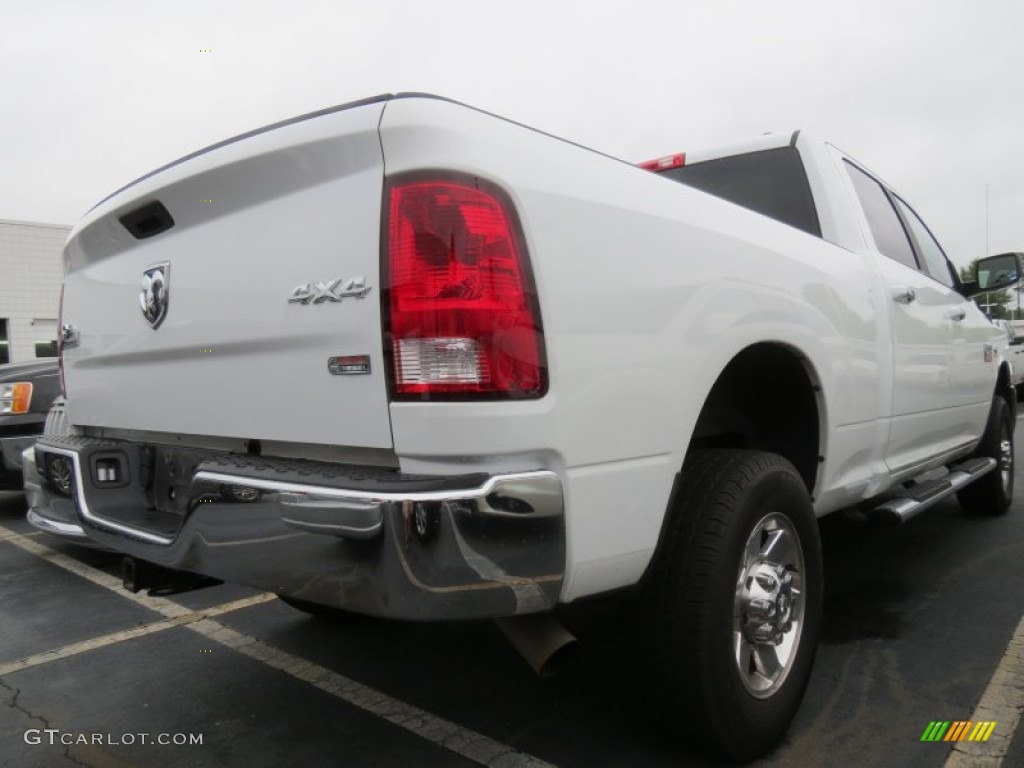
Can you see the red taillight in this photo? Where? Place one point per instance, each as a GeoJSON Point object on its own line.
{"type": "Point", "coordinates": [664, 163]}
{"type": "Point", "coordinates": [461, 303]}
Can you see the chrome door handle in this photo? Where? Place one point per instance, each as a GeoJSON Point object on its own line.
{"type": "Point", "coordinates": [903, 294]}
{"type": "Point", "coordinates": [956, 313]}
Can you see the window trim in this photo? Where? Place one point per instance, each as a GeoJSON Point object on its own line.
{"type": "Point", "coordinates": [916, 246]}
{"type": "Point", "coordinates": [50, 324]}
{"type": "Point", "coordinates": [889, 194]}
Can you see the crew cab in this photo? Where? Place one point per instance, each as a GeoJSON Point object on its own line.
{"type": "Point", "coordinates": [407, 358]}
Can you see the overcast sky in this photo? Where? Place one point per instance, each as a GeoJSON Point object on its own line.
{"type": "Point", "coordinates": [930, 95]}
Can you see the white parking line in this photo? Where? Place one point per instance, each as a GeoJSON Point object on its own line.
{"type": "Point", "coordinates": [1002, 702]}
{"type": "Point", "coordinates": [444, 733]}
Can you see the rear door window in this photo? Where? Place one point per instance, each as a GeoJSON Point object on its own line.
{"type": "Point", "coordinates": [927, 246]}
{"type": "Point", "coordinates": [886, 228]}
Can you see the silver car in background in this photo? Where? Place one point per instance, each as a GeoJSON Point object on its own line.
{"type": "Point", "coordinates": [1012, 350]}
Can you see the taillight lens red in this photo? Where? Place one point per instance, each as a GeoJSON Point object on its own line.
{"type": "Point", "coordinates": [461, 304]}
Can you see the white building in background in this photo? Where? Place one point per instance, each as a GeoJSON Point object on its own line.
{"type": "Point", "coordinates": [31, 271]}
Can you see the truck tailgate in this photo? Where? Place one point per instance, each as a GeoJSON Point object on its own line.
{"type": "Point", "coordinates": [270, 270]}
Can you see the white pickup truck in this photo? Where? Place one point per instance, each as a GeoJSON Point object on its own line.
{"type": "Point", "coordinates": [406, 358]}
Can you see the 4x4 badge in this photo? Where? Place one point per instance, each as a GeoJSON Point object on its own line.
{"type": "Point", "coordinates": [333, 290]}
{"type": "Point", "coordinates": [153, 297]}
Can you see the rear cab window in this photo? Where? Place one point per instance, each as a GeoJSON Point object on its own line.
{"type": "Point", "coordinates": [771, 182]}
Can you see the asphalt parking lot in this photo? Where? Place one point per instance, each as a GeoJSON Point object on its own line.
{"type": "Point", "coordinates": [918, 622]}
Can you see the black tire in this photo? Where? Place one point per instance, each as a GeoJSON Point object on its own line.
{"type": "Point", "coordinates": [991, 495]}
{"type": "Point", "coordinates": [693, 618]}
{"type": "Point", "coordinates": [317, 610]}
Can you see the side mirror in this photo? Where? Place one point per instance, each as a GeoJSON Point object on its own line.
{"type": "Point", "coordinates": [997, 272]}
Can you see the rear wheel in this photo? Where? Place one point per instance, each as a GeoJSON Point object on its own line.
{"type": "Point", "coordinates": [732, 603]}
{"type": "Point", "coordinates": [991, 495]}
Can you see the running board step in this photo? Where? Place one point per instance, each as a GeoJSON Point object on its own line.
{"type": "Point", "coordinates": [921, 496]}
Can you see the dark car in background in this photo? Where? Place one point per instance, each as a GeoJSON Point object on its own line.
{"type": "Point", "coordinates": [27, 390]}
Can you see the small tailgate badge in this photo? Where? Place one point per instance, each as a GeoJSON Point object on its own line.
{"type": "Point", "coordinates": [332, 290]}
{"type": "Point", "coordinates": [349, 365]}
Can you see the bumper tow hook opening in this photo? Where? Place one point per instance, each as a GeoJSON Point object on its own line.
{"type": "Point", "coordinates": [137, 575]}
{"type": "Point", "coordinates": [543, 643]}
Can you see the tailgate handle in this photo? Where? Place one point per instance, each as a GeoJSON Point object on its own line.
{"type": "Point", "coordinates": [151, 219]}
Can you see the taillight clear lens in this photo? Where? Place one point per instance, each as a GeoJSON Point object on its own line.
{"type": "Point", "coordinates": [15, 397]}
{"type": "Point", "coordinates": [462, 307]}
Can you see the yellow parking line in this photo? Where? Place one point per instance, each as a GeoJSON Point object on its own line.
{"type": "Point", "coordinates": [1000, 703]}
{"type": "Point", "coordinates": [444, 733]}
{"type": "Point", "coordinates": [237, 605]}
{"type": "Point", "coordinates": [92, 644]}
{"type": "Point", "coordinates": [98, 577]}
{"type": "Point", "coordinates": [5, 534]}
{"type": "Point", "coordinates": [85, 646]}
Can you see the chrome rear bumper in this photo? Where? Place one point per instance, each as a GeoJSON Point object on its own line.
{"type": "Point", "coordinates": [367, 540]}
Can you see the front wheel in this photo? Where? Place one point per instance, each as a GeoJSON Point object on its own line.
{"type": "Point", "coordinates": [992, 493]}
{"type": "Point", "coordinates": [731, 605]}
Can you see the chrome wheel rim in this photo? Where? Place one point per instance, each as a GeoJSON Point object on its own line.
{"type": "Point", "coordinates": [768, 609]}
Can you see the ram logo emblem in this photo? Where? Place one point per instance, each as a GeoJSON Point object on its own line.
{"type": "Point", "coordinates": [154, 295]}
{"type": "Point", "coordinates": [332, 290]}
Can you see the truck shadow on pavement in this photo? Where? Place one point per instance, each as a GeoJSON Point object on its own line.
{"type": "Point", "coordinates": [885, 593]}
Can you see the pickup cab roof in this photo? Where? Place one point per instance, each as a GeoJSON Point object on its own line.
{"type": "Point", "coordinates": [766, 141]}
